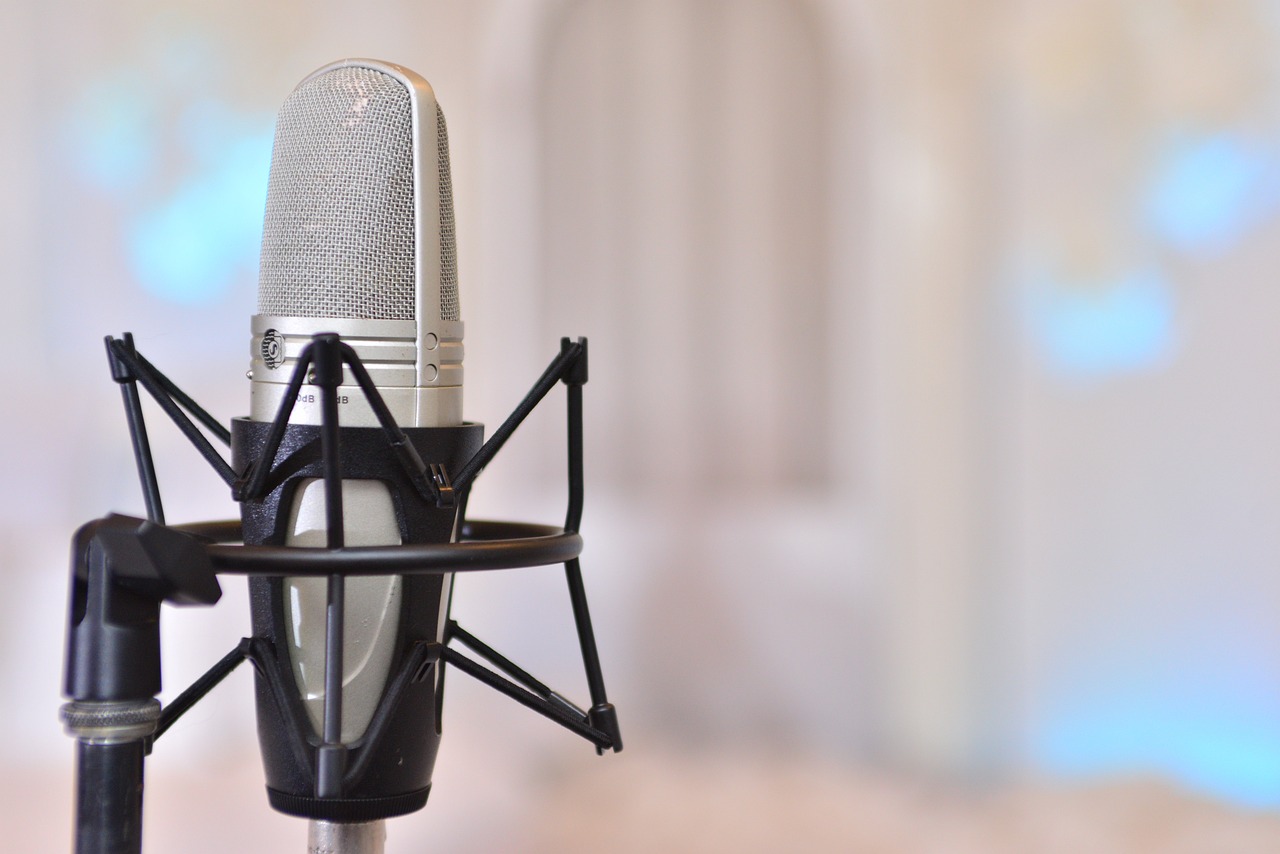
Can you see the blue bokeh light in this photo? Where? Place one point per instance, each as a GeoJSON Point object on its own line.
{"type": "Point", "coordinates": [1208, 191]}
{"type": "Point", "coordinates": [1210, 738]}
{"type": "Point", "coordinates": [1213, 729]}
{"type": "Point", "coordinates": [192, 245]}
{"type": "Point", "coordinates": [111, 132]}
{"type": "Point", "coordinates": [191, 237]}
{"type": "Point", "coordinates": [1096, 329]}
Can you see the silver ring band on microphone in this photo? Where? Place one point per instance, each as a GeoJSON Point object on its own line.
{"type": "Point", "coordinates": [488, 546]}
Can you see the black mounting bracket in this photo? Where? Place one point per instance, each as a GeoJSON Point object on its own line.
{"type": "Point", "coordinates": [125, 567]}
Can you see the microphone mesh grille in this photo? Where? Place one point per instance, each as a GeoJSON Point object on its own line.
{"type": "Point", "coordinates": [338, 237]}
{"type": "Point", "coordinates": [448, 248]}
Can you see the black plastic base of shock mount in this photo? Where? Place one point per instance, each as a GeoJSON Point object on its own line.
{"type": "Point", "coordinates": [347, 809]}
{"type": "Point", "coordinates": [386, 771]}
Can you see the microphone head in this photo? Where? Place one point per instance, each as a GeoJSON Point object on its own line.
{"type": "Point", "coordinates": [358, 239]}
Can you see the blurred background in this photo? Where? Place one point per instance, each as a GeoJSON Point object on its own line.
{"type": "Point", "coordinates": [932, 456]}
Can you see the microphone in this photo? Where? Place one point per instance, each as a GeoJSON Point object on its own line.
{"type": "Point", "coordinates": [352, 471]}
{"type": "Point", "coordinates": [358, 241]}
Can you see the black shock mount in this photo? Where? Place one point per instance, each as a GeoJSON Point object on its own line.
{"type": "Point", "coordinates": [123, 568]}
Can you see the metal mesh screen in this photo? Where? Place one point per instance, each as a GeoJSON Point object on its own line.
{"type": "Point", "coordinates": [448, 248]}
{"type": "Point", "coordinates": [338, 238]}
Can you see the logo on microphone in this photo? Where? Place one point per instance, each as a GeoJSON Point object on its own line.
{"type": "Point", "coordinates": [272, 348]}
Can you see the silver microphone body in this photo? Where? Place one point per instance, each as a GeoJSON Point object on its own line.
{"type": "Point", "coordinates": [358, 240]}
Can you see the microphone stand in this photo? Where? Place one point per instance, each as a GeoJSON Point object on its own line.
{"type": "Point", "coordinates": [331, 837]}
{"type": "Point", "coordinates": [123, 569]}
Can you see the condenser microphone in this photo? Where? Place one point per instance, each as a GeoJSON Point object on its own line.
{"type": "Point", "coordinates": [352, 472]}
{"type": "Point", "coordinates": [358, 240]}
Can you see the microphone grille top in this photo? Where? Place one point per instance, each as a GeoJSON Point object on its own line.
{"type": "Point", "coordinates": [339, 232]}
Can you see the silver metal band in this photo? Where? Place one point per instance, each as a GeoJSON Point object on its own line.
{"type": "Point", "coordinates": [101, 722]}
{"type": "Point", "coordinates": [421, 385]}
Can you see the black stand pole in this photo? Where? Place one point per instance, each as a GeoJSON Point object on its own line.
{"type": "Point", "coordinates": [109, 795]}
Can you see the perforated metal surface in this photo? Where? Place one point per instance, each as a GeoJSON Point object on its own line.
{"type": "Point", "coordinates": [338, 238]}
{"type": "Point", "coordinates": [448, 248]}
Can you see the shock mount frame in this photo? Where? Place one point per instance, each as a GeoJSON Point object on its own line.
{"type": "Point", "coordinates": [123, 568]}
